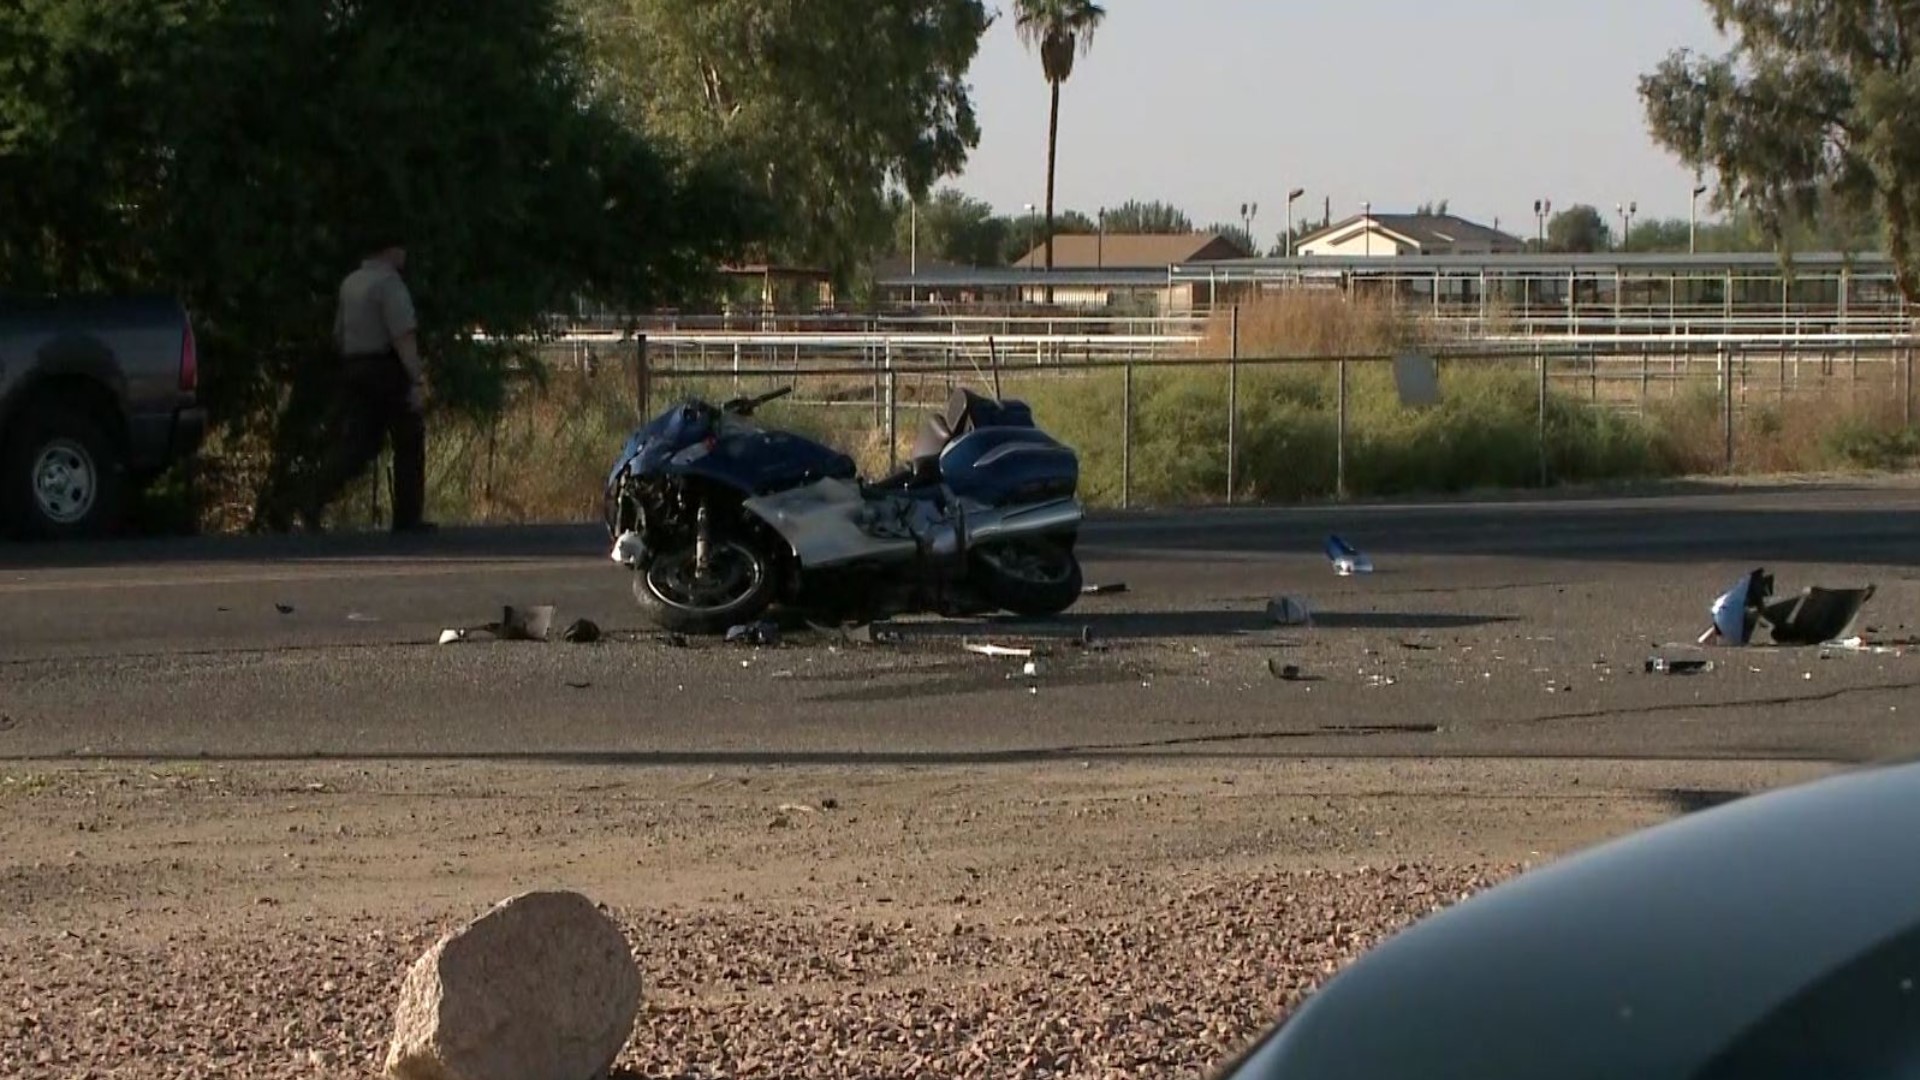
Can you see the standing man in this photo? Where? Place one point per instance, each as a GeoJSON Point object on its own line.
{"type": "Point", "coordinates": [381, 387]}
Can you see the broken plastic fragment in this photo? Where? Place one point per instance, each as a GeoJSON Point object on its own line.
{"type": "Point", "coordinates": [1289, 611]}
{"type": "Point", "coordinates": [1817, 615]}
{"type": "Point", "coordinates": [1104, 590]}
{"type": "Point", "coordinates": [1283, 672]}
{"type": "Point", "coordinates": [760, 633]}
{"type": "Point", "coordinates": [1347, 561]}
{"type": "Point", "coordinates": [998, 650]}
{"type": "Point", "coordinates": [526, 624]}
{"type": "Point", "coordinates": [581, 632]}
{"type": "Point", "coordinates": [629, 549]}
{"type": "Point", "coordinates": [1737, 611]}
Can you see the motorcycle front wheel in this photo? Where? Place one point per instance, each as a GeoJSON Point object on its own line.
{"type": "Point", "coordinates": [1034, 578]}
{"type": "Point", "coordinates": [736, 588]}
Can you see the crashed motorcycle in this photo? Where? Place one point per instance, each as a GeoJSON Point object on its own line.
{"type": "Point", "coordinates": [720, 519]}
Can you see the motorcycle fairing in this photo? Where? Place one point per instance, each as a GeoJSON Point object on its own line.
{"type": "Point", "coordinates": [999, 466]}
{"type": "Point", "coordinates": [824, 522]}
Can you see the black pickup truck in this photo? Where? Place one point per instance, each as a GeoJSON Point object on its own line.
{"type": "Point", "coordinates": [98, 395]}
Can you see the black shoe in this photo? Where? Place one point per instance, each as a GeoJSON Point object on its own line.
{"type": "Point", "coordinates": [418, 528]}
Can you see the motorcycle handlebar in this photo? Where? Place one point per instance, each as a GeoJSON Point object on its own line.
{"type": "Point", "coordinates": [746, 406]}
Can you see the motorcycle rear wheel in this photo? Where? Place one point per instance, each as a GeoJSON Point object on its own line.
{"type": "Point", "coordinates": [1034, 578]}
{"type": "Point", "coordinates": [737, 588]}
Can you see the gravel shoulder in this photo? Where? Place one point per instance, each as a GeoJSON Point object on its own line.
{"type": "Point", "coordinates": [1093, 918]}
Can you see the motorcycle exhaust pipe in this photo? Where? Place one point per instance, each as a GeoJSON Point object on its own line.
{"type": "Point", "coordinates": [1024, 521]}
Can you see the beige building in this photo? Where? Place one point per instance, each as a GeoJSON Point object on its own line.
{"type": "Point", "coordinates": [1390, 235]}
{"type": "Point", "coordinates": [1079, 254]}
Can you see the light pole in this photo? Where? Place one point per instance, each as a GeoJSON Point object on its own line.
{"type": "Point", "coordinates": [1626, 223]}
{"type": "Point", "coordinates": [913, 248]}
{"type": "Point", "coordinates": [1693, 217]}
{"type": "Point", "coordinates": [1100, 244]}
{"type": "Point", "coordinates": [1541, 209]}
{"type": "Point", "coordinates": [1291, 196]}
{"type": "Point", "coordinates": [1030, 234]}
{"type": "Point", "coordinates": [1366, 222]}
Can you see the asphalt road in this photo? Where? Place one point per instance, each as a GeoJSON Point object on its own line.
{"type": "Point", "coordinates": [1515, 628]}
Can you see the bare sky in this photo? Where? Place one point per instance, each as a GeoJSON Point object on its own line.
{"type": "Point", "coordinates": [1210, 103]}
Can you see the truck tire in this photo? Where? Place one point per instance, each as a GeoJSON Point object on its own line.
{"type": "Point", "coordinates": [62, 475]}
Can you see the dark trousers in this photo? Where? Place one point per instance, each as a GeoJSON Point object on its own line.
{"type": "Point", "coordinates": [371, 406]}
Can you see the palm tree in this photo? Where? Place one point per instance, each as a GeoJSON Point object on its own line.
{"type": "Point", "coordinates": [1060, 29]}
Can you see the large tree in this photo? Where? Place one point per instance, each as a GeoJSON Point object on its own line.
{"type": "Point", "coordinates": [235, 154]}
{"type": "Point", "coordinates": [1024, 232]}
{"type": "Point", "coordinates": [1159, 218]}
{"type": "Point", "coordinates": [1060, 30]}
{"type": "Point", "coordinates": [1578, 230]}
{"type": "Point", "coordinates": [827, 104]}
{"type": "Point", "coordinates": [1817, 99]}
{"type": "Point", "coordinates": [953, 227]}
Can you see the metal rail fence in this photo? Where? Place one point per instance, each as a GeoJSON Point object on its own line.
{"type": "Point", "coordinates": [1206, 431]}
{"type": "Point", "coordinates": [1735, 378]}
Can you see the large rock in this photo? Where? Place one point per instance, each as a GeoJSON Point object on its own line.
{"type": "Point", "coordinates": [542, 987]}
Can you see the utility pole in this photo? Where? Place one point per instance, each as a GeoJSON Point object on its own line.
{"type": "Point", "coordinates": [1693, 217]}
{"type": "Point", "coordinates": [1291, 196]}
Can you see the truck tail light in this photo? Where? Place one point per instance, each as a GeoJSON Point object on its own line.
{"type": "Point", "coordinates": [189, 362]}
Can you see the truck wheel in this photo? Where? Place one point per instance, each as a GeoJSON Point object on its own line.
{"type": "Point", "coordinates": [63, 476]}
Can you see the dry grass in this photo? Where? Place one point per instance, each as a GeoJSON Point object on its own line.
{"type": "Point", "coordinates": [1315, 324]}
{"type": "Point", "coordinates": [546, 456]}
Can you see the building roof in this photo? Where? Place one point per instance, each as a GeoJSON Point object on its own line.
{"type": "Point", "coordinates": [1425, 230]}
{"type": "Point", "coordinates": [902, 267]}
{"type": "Point", "coordinates": [1138, 251]}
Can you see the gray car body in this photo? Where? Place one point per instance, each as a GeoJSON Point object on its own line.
{"type": "Point", "coordinates": [1778, 935]}
{"type": "Point", "coordinates": [121, 355]}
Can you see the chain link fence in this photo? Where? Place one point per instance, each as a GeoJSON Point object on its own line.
{"type": "Point", "coordinates": [1157, 428]}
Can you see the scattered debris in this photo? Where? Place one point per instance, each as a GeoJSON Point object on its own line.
{"type": "Point", "coordinates": [1815, 616]}
{"type": "Point", "coordinates": [457, 636]}
{"type": "Point", "coordinates": [1289, 611]}
{"type": "Point", "coordinates": [996, 650]}
{"type": "Point", "coordinates": [1665, 665]}
{"type": "Point", "coordinates": [1283, 672]}
{"type": "Point", "coordinates": [8, 723]}
{"type": "Point", "coordinates": [1347, 560]}
{"type": "Point", "coordinates": [829, 804]}
{"type": "Point", "coordinates": [284, 609]}
{"type": "Point", "coordinates": [581, 632]}
{"type": "Point", "coordinates": [628, 550]}
{"type": "Point", "coordinates": [677, 641]}
{"type": "Point", "coordinates": [1104, 590]}
{"type": "Point", "coordinates": [579, 685]}
{"type": "Point", "coordinates": [760, 633]}
{"type": "Point", "coordinates": [1419, 646]}
{"type": "Point", "coordinates": [356, 616]}
{"type": "Point", "coordinates": [528, 624]}
{"type": "Point", "coordinates": [1855, 644]}
{"type": "Point", "coordinates": [880, 633]}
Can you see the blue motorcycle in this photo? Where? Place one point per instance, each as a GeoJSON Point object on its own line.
{"type": "Point", "coordinates": [720, 519]}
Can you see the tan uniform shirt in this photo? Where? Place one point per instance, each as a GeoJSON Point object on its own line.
{"type": "Point", "coordinates": [375, 310]}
